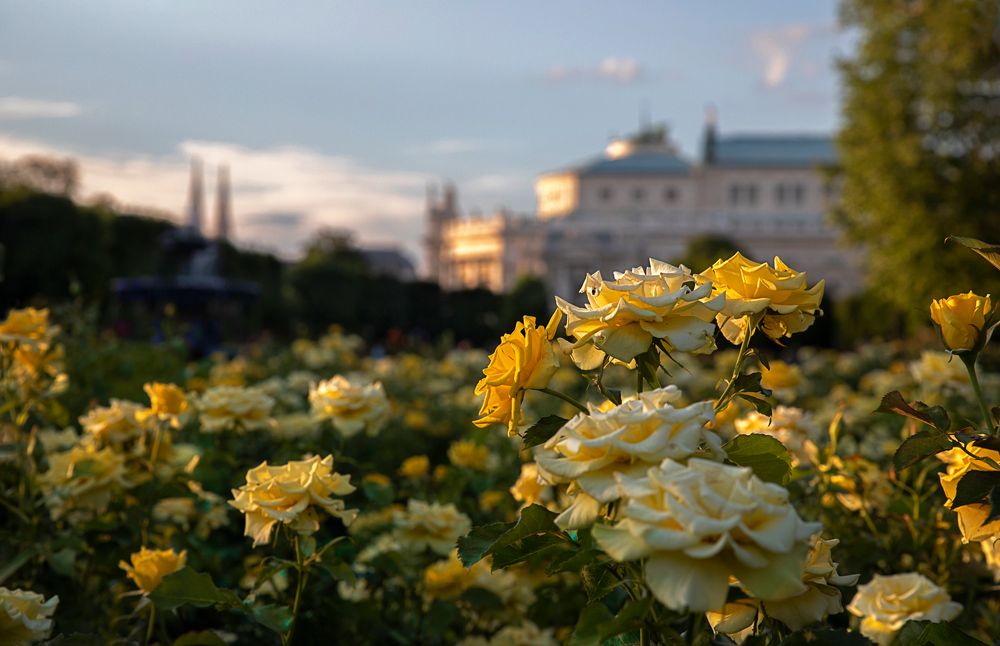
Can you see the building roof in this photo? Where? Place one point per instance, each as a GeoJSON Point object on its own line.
{"type": "Point", "coordinates": [786, 151]}
{"type": "Point", "coordinates": [642, 162]}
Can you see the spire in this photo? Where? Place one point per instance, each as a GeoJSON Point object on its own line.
{"type": "Point", "coordinates": [196, 197]}
{"type": "Point", "coordinates": [223, 212]}
{"type": "Point", "coordinates": [708, 142]}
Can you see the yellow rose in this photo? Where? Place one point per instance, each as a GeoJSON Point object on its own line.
{"type": "Point", "coordinates": [594, 450]}
{"type": "Point", "coordinates": [379, 479]}
{"type": "Point", "coordinates": [82, 481]}
{"type": "Point", "coordinates": [148, 567]}
{"type": "Point", "coordinates": [415, 466]}
{"type": "Point", "coordinates": [820, 599]}
{"type": "Point", "coordinates": [431, 525]}
{"type": "Point", "coordinates": [791, 426]}
{"type": "Point", "coordinates": [179, 511]}
{"type": "Point", "coordinates": [229, 407]}
{"type": "Point", "coordinates": [529, 489]}
{"type": "Point", "coordinates": [469, 455]}
{"type": "Point", "coordinates": [447, 578]}
{"type": "Point", "coordinates": [777, 294]}
{"type": "Point", "coordinates": [25, 617]}
{"type": "Point", "coordinates": [971, 518]}
{"type": "Point", "coordinates": [166, 402]}
{"type": "Point", "coordinates": [780, 376]}
{"type": "Point", "coordinates": [937, 370]}
{"type": "Point", "coordinates": [351, 408]}
{"type": "Point", "coordinates": [116, 423]}
{"type": "Point", "coordinates": [290, 494]}
{"type": "Point", "coordinates": [624, 315]}
{"type": "Point", "coordinates": [29, 324]}
{"type": "Point", "coordinates": [698, 525]}
{"type": "Point", "coordinates": [526, 358]}
{"type": "Point", "coordinates": [490, 500]}
{"type": "Point", "coordinates": [886, 603]}
{"type": "Point", "coordinates": [962, 319]}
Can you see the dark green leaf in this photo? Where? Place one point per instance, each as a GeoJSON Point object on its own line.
{"type": "Point", "coordinates": [339, 570]}
{"type": "Point", "coordinates": [76, 639]}
{"type": "Point", "coordinates": [932, 416]}
{"type": "Point", "coordinates": [990, 252]}
{"type": "Point", "coordinates": [825, 637]}
{"type": "Point", "coordinates": [597, 625]}
{"type": "Point", "coordinates": [200, 638]}
{"type": "Point", "coordinates": [542, 430]}
{"type": "Point", "coordinates": [974, 486]}
{"type": "Point", "coordinates": [482, 599]}
{"type": "Point", "coordinates": [598, 581]}
{"type": "Point", "coordinates": [276, 618]}
{"type": "Point", "coordinates": [759, 404]}
{"type": "Point", "coordinates": [750, 383]}
{"type": "Point", "coordinates": [919, 446]}
{"type": "Point", "coordinates": [534, 519]}
{"type": "Point", "coordinates": [187, 587]}
{"type": "Point", "coordinates": [526, 549]}
{"type": "Point", "coordinates": [474, 546]}
{"type": "Point", "coordinates": [994, 500]}
{"type": "Point", "coordinates": [927, 633]}
{"type": "Point", "coordinates": [576, 562]}
{"type": "Point", "coordinates": [768, 457]}
{"type": "Point", "coordinates": [379, 494]}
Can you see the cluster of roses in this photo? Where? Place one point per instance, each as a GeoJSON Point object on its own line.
{"type": "Point", "coordinates": [649, 476]}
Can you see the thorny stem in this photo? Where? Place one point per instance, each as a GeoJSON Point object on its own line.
{"type": "Point", "coordinates": [565, 398]}
{"type": "Point", "coordinates": [970, 365]}
{"type": "Point", "coordinates": [740, 360]}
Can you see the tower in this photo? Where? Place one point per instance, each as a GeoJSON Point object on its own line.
{"type": "Point", "coordinates": [196, 196]}
{"type": "Point", "coordinates": [439, 214]}
{"type": "Point", "coordinates": [708, 142]}
{"type": "Point", "coordinates": [223, 206]}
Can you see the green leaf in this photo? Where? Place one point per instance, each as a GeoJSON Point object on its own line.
{"type": "Point", "coordinates": [577, 561]}
{"type": "Point", "coordinates": [597, 625]}
{"type": "Point", "coordinates": [482, 598]}
{"type": "Point", "coordinates": [339, 570]}
{"type": "Point", "coordinates": [990, 252]}
{"type": "Point", "coordinates": [750, 383]}
{"type": "Point", "coordinates": [187, 587]}
{"type": "Point", "coordinates": [919, 446]}
{"type": "Point", "coordinates": [534, 519]}
{"type": "Point", "coordinates": [825, 637]}
{"type": "Point", "coordinates": [934, 416]}
{"type": "Point", "coordinates": [474, 546]}
{"type": "Point", "coordinates": [276, 618]}
{"type": "Point", "coordinates": [76, 639]}
{"type": "Point", "coordinates": [974, 486]}
{"type": "Point", "coordinates": [768, 457]}
{"type": "Point", "coordinates": [542, 430]}
{"type": "Point", "coordinates": [994, 499]}
{"type": "Point", "coordinates": [379, 494]}
{"type": "Point", "coordinates": [759, 404]}
{"type": "Point", "coordinates": [598, 581]}
{"type": "Point", "coordinates": [200, 638]}
{"type": "Point", "coordinates": [526, 549]}
{"type": "Point", "coordinates": [927, 633]}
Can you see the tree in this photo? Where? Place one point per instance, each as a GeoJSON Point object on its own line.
{"type": "Point", "coordinates": [704, 250]}
{"type": "Point", "coordinates": [920, 144]}
{"type": "Point", "coordinates": [53, 175]}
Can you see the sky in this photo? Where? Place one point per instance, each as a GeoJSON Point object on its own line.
{"type": "Point", "coordinates": [338, 114]}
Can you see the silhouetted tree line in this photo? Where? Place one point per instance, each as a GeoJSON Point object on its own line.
{"type": "Point", "coordinates": [54, 250]}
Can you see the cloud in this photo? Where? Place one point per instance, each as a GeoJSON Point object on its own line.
{"type": "Point", "coordinates": [281, 195]}
{"type": "Point", "coordinates": [460, 145]}
{"type": "Point", "coordinates": [777, 49]}
{"type": "Point", "coordinates": [619, 69]}
{"type": "Point", "coordinates": [17, 107]}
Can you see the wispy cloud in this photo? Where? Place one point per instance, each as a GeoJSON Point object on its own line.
{"type": "Point", "coordinates": [777, 49]}
{"type": "Point", "coordinates": [460, 145]}
{"type": "Point", "coordinates": [281, 195]}
{"type": "Point", "coordinates": [619, 69]}
{"type": "Point", "coordinates": [18, 107]}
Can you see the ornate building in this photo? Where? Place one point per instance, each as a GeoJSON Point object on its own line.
{"type": "Point", "coordinates": [643, 199]}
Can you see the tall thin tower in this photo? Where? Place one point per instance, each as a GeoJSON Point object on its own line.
{"type": "Point", "coordinates": [223, 208]}
{"type": "Point", "coordinates": [196, 196]}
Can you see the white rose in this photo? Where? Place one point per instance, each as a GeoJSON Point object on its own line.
{"type": "Point", "coordinates": [886, 603]}
{"type": "Point", "coordinates": [351, 408]}
{"type": "Point", "coordinates": [25, 617]}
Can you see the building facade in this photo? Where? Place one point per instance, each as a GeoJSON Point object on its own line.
{"type": "Point", "coordinates": [643, 199]}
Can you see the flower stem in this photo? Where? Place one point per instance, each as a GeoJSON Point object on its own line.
{"type": "Point", "coordinates": [738, 366]}
{"type": "Point", "coordinates": [970, 365]}
{"type": "Point", "coordinates": [565, 398]}
{"type": "Point", "coordinates": [300, 586]}
{"type": "Point", "coordinates": [152, 623]}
